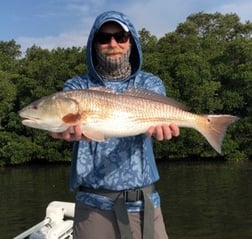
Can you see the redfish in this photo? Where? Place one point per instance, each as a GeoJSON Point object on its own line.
{"type": "Point", "coordinates": [104, 113]}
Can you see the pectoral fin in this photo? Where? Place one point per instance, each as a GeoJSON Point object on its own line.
{"type": "Point", "coordinates": [89, 131]}
{"type": "Point", "coordinates": [71, 118]}
{"type": "Point", "coordinates": [93, 134]}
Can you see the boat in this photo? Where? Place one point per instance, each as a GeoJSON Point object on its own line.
{"type": "Point", "coordinates": [57, 224]}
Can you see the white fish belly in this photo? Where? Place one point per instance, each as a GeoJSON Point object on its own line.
{"type": "Point", "coordinates": [124, 128]}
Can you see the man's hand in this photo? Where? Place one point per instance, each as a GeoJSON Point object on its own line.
{"type": "Point", "coordinates": [71, 134]}
{"type": "Point", "coordinates": [163, 132]}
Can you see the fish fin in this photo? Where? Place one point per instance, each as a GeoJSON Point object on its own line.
{"type": "Point", "coordinates": [93, 134]}
{"type": "Point", "coordinates": [102, 89]}
{"type": "Point", "coordinates": [71, 118]}
{"type": "Point", "coordinates": [153, 96]}
{"type": "Point", "coordinates": [215, 129]}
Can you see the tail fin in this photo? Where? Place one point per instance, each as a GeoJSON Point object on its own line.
{"type": "Point", "coordinates": [214, 129]}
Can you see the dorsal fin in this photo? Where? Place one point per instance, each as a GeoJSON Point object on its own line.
{"type": "Point", "coordinates": [143, 94]}
{"type": "Point", "coordinates": [102, 89]}
{"type": "Point", "coordinates": [153, 96]}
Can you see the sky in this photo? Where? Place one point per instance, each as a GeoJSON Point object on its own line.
{"type": "Point", "coordinates": [65, 23]}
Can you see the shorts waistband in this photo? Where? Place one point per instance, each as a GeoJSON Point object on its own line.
{"type": "Point", "coordinates": [130, 195]}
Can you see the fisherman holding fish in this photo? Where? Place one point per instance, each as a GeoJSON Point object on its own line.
{"type": "Point", "coordinates": [110, 113]}
{"type": "Point", "coordinates": [115, 178]}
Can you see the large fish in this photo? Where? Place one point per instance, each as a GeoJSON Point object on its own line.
{"type": "Point", "coordinates": [103, 113]}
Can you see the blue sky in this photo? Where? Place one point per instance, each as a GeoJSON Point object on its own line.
{"type": "Point", "coordinates": [66, 23]}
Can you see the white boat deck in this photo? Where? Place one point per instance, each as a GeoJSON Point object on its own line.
{"type": "Point", "coordinates": [58, 223]}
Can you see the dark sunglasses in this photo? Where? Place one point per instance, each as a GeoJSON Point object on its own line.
{"type": "Point", "coordinates": [105, 38]}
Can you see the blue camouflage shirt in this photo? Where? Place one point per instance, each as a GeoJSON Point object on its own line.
{"type": "Point", "coordinates": [117, 163]}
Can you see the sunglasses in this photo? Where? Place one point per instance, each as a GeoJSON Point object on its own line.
{"type": "Point", "coordinates": [105, 38]}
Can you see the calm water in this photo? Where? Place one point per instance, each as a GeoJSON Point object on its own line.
{"type": "Point", "coordinates": [199, 200]}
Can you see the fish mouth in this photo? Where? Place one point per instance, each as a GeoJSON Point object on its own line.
{"type": "Point", "coordinates": [27, 116]}
{"type": "Point", "coordinates": [27, 120]}
{"type": "Point", "coordinates": [39, 124]}
{"type": "Point", "coordinates": [30, 121]}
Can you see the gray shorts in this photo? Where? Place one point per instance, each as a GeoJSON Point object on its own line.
{"type": "Point", "coordinates": [93, 223]}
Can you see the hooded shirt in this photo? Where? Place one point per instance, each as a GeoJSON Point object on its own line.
{"type": "Point", "coordinates": [117, 163]}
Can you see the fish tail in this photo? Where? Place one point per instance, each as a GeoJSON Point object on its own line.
{"type": "Point", "coordinates": [215, 128]}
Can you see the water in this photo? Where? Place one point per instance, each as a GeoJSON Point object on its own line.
{"type": "Point", "coordinates": [207, 201]}
{"type": "Point", "coordinates": [199, 200]}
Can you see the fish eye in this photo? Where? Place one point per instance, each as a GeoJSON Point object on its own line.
{"type": "Point", "coordinates": [35, 107]}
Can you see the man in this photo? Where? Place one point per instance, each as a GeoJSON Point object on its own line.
{"type": "Point", "coordinates": [115, 178]}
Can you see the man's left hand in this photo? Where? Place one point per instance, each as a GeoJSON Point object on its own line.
{"type": "Point", "coordinates": [163, 132]}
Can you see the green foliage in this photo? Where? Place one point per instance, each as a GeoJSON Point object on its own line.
{"type": "Point", "coordinates": [15, 149]}
{"type": "Point", "coordinates": [39, 73]}
{"type": "Point", "coordinates": [9, 52]}
{"type": "Point", "coordinates": [206, 63]}
{"type": "Point", "coordinates": [7, 95]}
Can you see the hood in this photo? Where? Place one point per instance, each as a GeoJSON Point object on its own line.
{"type": "Point", "coordinates": [136, 51]}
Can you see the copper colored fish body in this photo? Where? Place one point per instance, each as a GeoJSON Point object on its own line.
{"type": "Point", "coordinates": [103, 113]}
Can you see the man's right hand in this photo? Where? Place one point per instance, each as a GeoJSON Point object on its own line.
{"type": "Point", "coordinates": [71, 134]}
